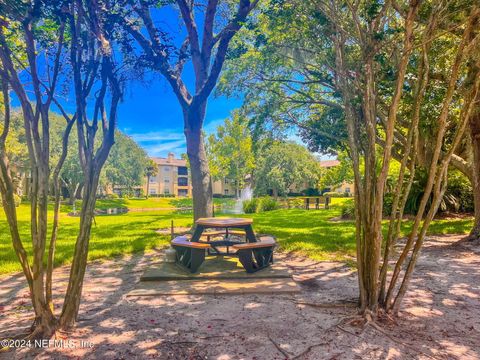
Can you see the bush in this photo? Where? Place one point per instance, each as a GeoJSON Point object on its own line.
{"type": "Point", "coordinates": [112, 196]}
{"type": "Point", "coordinates": [17, 199]}
{"type": "Point", "coordinates": [267, 203]}
{"type": "Point", "coordinates": [348, 210]}
{"type": "Point", "coordinates": [221, 196]}
{"type": "Point", "coordinates": [250, 206]}
{"type": "Point", "coordinates": [332, 194]}
{"type": "Point", "coordinates": [296, 203]}
{"type": "Point", "coordinates": [310, 192]}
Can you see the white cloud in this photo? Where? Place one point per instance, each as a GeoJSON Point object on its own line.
{"type": "Point", "coordinates": [212, 125]}
{"type": "Point", "coordinates": [161, 149]}
{"type": "Point", "coordinates": [160, 143]}
{"type": "Point", "coordinates": [166, 135]}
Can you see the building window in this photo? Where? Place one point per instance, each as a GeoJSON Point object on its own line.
{"type": "Point", "coordinates": [166, 191]}
{"type": "Point", "coordinates": [167, 181]}
{"type": "Point", "coordinates": [226, 181]}
{"type": "Point", "coordinates": [152, 191]}
{"type": "Point", "coordinates": [153, 179]}
{"type": "Point", "coordinates": [166, 168]}
{"type": "Point", "coordinates": [182, 170]}
{"type": "Point", "coordinates": [226, 191]}
{"type": "Point", "coordinates": [182, 192]}
{"type": "Point", "coordinates": [347, 189]}
{"type": "Point", "coordinates": [182, 181]}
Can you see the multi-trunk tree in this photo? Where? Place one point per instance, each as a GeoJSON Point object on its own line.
{"type": "Point", "coordinates": [71, 37]}
{"type": "Point", "coordinates": [360, 76]}
{"type": "Point", "coordinates": [205, 46]}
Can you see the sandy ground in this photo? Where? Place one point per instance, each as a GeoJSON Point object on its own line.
{"type": "Point", "coordinates": [440, 318]}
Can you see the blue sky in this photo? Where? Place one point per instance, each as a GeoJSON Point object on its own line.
{"type": "Point", "coordinates": [152, 116]}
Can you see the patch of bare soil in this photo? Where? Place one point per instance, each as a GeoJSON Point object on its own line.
{"type": "Point", "coordinates": [440, 318]}
{"type": "Point", "coordinates": [176, 230]}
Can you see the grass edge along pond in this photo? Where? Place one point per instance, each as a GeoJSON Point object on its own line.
{"type": "Point", "coordinates": [307, 232]}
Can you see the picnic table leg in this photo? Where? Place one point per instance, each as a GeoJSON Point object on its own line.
{"type": "Point", "coordinates": [249, 234]}
{"type": "Point", "coordinates": [317, 203]}
{"type": "Point", "coordinates": [307, 204]}
{"type": "Point", "coordinates": [197, 233]}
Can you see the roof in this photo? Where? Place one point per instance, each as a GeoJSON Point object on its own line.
{"type": "Point", "coordinates": [169, 161]}
{"type": "Point", "coordinates": [329, 163]}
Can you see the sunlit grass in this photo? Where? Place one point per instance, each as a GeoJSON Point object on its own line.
{"type": "Point", "coordinates": [309, 232]}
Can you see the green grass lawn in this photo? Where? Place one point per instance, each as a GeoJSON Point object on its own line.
{"type": "Point", "coordinates": [309, 232]}
{"type": "Point", "coordinates": [151, 203]}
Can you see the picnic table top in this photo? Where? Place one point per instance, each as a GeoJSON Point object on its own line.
{"type": "Point", "coordinates": [224, 222]}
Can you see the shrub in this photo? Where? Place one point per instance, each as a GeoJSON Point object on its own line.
{"type": "Point", "coordinates": [310, 192]}
{"type": "Point", "coordinates": [112, 196]}
{"type": "Point", "coordinates": [296, 203]}
{"type": "Point", "coordinates": [17, 199]}
{"type": "Point", "coordinates": [267, 203]}
{"type": "Point", "coordinates": [250, 206]}
{"type": "Point", "coordinates": [348, 210]}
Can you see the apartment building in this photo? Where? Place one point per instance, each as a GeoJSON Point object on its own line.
{"type": "Point", "coordinates": [345, 187]}
{"type": "Point", "coordinates": [173, 178]}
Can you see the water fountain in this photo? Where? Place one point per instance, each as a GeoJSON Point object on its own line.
{"type": "Point", "coordinates": [246, 194]}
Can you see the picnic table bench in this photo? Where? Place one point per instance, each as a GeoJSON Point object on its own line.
{"type": "Point", "coordinates": [317, 200]}
{"type": "Point", "coordinates": [254, 254]}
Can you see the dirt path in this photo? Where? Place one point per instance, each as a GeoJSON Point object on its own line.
{"type": "Point", "coordinates": [440, 318]}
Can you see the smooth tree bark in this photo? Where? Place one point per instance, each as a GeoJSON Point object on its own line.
{"type": "Point", "coordinates": [475, 138]}
{"type": "Point", "coordinates": [371, 128]}
{"type": "Point", "coordinates": [36, 123]}
{"type": "Point", "coordinates": [207, 55]}
{"type": "Point", "coordinates": [95, 73]}
{"type": "Point", "coordinates": [84, 51]}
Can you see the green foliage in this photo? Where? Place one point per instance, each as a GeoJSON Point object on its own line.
{"type": "Point", "coordinates": [282, 165]}
{"type": "Point", "coordinates": [348, 210]}
{"type": "Point", "coordinates": [250, 206]}
{"type": "Point", "coordinates": [295, 203]}
{"type": "Point", "coordinates": [267, 203]}
{"type": "Point", "coordinates": [261, 204]}
{"type": "Point", "coordinates": [126, 164]}
{"type": "Point", "coordinates": [230, 151]}
{"type": "Point", "coordinates": [339, 174]}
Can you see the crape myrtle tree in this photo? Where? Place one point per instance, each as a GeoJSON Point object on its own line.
{"type": "Point", "coordinates": [206, 46]}
{"type": "Point", "coordinates": [72, 38]}
{"type": "Point", "coordinates": [359, 75]}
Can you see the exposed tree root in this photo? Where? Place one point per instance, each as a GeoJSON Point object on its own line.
{"type": "Point", "coordinates": [283, 352]}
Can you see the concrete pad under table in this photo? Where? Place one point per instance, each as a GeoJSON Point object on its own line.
{"type": "Point", "coordinates": [216, 287]}
{"type": "Point", "coordinates": [214, 267]}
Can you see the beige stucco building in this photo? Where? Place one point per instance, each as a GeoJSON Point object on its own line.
{"type": "Point", "coordinates": [345, 187]}
{"type": "Point", "coordinates": [173, 178]}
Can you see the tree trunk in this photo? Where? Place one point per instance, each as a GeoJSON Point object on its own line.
{"type": "Point", "coordinates": [72, 192]}
{"type": "Point", "coordinates": [148, 186]}
{"type": "Point", "coordinates": [80, 256]}
{"type": "Point", "coordinates": [475, 136]}
{"type": "Point", "coordinates": [200, 172]}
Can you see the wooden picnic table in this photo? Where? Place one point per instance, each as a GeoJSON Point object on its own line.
{"type": "Point", "coordinates": [244, 224]}
{"type": "Point", "coordinates": [253, 254]}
